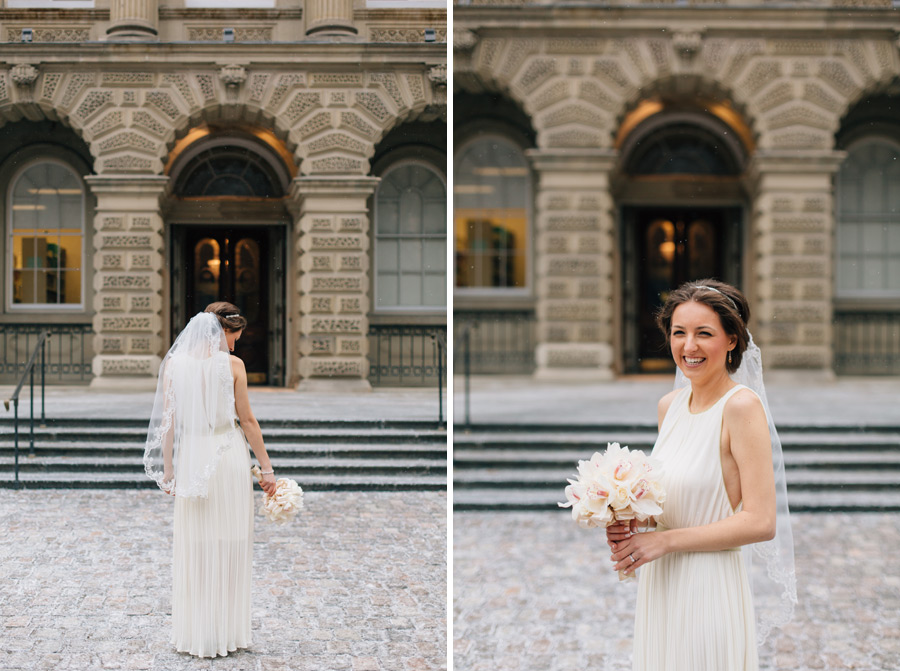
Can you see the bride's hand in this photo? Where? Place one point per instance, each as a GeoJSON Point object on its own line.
{"type": "Point", "coordinates": [617, 532]}
{"type": "Point", "coordinates": [169, 482]}
{"type": "Point", "coordinates": [638, 550]}
{"type": "Point", "coordinates": [268, 483]}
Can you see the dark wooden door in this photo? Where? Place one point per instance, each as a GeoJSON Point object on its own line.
{"type": "Point", "coordinates": [231, 264]}
{"type": "Point", "coordinates": [673, 246]}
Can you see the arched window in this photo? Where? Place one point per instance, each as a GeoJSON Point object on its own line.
{"type": "Point", "coordinates": [46, 237]}
{"type": "Point", "coordinates": [410, 238]}
{"type": "Point", "coordinates": [868, 221]}
{"type": "Point", "coordinates": [491, 206]}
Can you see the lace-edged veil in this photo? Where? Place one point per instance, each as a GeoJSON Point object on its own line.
{"type": "Point", "coordinates": [193, 412]}
{"type": "Point", "coordinates": [770, 564]}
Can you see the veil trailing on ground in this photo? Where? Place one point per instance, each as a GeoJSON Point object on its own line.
{"type": "Point", "coordinates": [193, 413]}
{"type": "Point", "coordinates": [770, 564]}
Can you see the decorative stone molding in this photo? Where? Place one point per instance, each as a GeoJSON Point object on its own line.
{"type": "Point", "coordinates": [129, 256]}
{"type": "Point", "coordinates": [575, 263]}
{"type": "Point", "coordinates": [437, 75]}
{"type": "Point", "coordinates": [23, 75]}
{"type": "Point", "coordinates": [241, 33]}
{"type": "Point", "coordinates": [51, 33]}
{"type": "Point", "coordinates": [332, 242]}
{"type": "Point", "coordinates": [464, 40]}
{"type": "Point", "coordinates": [687, 44]}
{"type": "Point", "coordinates": [233, 77]}
{"type": "Point", "coordinates": [404, 34]}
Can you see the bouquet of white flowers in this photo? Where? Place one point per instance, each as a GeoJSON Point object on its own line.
{"type": "Point", "coordinates": [616, 486]}
{"type": "Point", "coordinates": [285, 503]}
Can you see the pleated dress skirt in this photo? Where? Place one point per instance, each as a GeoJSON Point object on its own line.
{"type": "Point", "coordinates": [696, 614]}
{"type": "Point", "coordinates": [213, 559]}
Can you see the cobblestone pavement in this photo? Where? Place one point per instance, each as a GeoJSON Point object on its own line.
{"type": "Point", "coordinates": [533, 592]}
{"type": "Point", "coordinates": [357, 582]}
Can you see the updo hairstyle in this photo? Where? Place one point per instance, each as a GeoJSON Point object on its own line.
{"type": "Point", "coordinates": [228, 315]}
{"type": "Point", "coordinates": [725, 300]}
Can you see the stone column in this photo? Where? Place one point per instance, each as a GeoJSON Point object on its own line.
{"type": "Point", "coordinates": [128, 244]}
{"type": "Point", "coordinates": [133, 20]}
{"type": "Point", "coordinates": [329, 17]}
{"type": "Point", "coordinates": [574, 263]}
{"type": "Point", "coordinates": [792, 257]}
{"type": "Point", "coordinates": [333, 282]}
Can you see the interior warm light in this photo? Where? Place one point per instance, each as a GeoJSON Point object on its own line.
{"type": "Point", "coordinates": [726, 113]}
{"type": "Point", "coordinates": [192, 136]}
{"type": "Point", "coordinates": [54, 192]}
{"type": "Point", "coordinates": [644, 110]}
{"type": "Point", "coordinates": [497, 171]}
{"type": "Point", "coordinates": [667, 250]}
{"type": "Point", "coordinates": [278, 146]}
{"type": "Point", "coordinates": [470, 189]}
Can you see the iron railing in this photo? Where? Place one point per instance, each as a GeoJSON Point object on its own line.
{"type": "Point", "coordinates": [406, 356]}
{"type": "Point", "coordinates": [40, 347]}
{"type": "Point", "coordinates": [866, 343]}
{"type": "Point", "coordinates": [68, 356]}
{"type": "Point", "coordinates": [499, 342]}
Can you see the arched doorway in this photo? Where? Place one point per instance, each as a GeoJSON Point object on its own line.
{"type": "Point", "coordinates": [228, 230]}
{"type": "Point", "coordinates": [682, 207]}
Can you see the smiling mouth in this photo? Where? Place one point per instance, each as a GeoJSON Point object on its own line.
{"type": "Point", "coordinates": [693, 361]}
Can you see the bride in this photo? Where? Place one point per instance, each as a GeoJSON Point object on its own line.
{"type": "Point", "coordinates": [723, 474]}
{"type": "Point", "coordinates": [197, 452]}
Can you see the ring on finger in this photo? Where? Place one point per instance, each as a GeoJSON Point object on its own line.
{"type": "Point", "coordinates": [633, 560]}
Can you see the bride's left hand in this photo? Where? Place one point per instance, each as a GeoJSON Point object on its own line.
{"type": "Point", "coordinates": [642, 548]}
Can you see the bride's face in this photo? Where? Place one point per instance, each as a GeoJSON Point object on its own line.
{"type": "Point", "coordinates": [231, 337]}
{"type": "Point", "coordinates": [699, 343]}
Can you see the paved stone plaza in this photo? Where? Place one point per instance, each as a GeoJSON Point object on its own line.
{"type": "Point", "coordinates": [357, 582]}
{"type": "Point", "coordinates": [533, 592]}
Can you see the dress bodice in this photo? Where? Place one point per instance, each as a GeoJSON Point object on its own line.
{"type": "Point", "coordinates": [689, 448]}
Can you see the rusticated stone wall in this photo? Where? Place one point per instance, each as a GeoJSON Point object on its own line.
{"type": "Point", "coordinates": [332, 234]}
{"type": "Point", "coordinates": [128, 258]}
{"type": "Point", "coordinates": [791, 91]}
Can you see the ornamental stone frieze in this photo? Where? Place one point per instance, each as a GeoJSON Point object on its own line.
{"type": "Point", "coordinates": [793, 92]}
{"type": "Point", "coordinates": [130, 118]}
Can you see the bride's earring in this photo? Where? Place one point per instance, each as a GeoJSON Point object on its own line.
{"type": "Point", "coordinates": [729, 356]}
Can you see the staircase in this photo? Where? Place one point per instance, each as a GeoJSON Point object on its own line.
{"type": "Point", "coordinates": [516, 467]}
{"type": "Point", "coordinates": [319, 455]}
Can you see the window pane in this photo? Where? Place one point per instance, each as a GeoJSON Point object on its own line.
{"type": "Point", "coordinates": [411, 206]}
{"type": "Point", "coordinates": [491, 196]}
{"type": "Point", "coordinates": [435, 290]}
{"type": "Point", "coordinates": [410, 289]}
{"type": "Point", "coordinates": [867, 187]}
{"type": "Point", "coordinates": [388, 290]}
{"type": "Point", "coordinates": [70, 286]}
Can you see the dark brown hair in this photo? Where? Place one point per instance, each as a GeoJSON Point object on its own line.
{"type": "Point", "coordinates": [228, 314]}
{"type": "Point", "coordinates": [725, 300]}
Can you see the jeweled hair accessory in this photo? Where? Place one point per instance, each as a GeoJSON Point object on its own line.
{"type": "Point", "coordinates": [730, 299]}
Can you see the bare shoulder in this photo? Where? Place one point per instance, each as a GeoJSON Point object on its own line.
{"type": "Point", "coordinates": [237, 365]}
{"type": "Point", "coordinates": [743, 406]}
{"type": "Point", "coordinates": [664, 403]}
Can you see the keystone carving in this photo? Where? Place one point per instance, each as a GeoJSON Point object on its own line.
{"type": "Point", "coordinates": [687, 44]}
{"type": "Point", "coordinates": [464, 40]}
{"type": "Point", "coordinates": [233, 76]}
{"type": "Point", "coordinates": [23, 74]}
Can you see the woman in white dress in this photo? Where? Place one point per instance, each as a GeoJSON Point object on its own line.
{"type": "Point", "coordinates": [695, 608]}
{"type": "Point", "coordinates": [197, 452]}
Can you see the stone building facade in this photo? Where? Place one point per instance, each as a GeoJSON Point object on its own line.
{"type": "Point", "coordinates": [160, 155]}
{"type": "Point", "coordinates": [604, 153]}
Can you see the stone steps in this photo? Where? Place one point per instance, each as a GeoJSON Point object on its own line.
{"type": "Point", "coordinates": [319, 455]}
{"type": "Point", "coordinates": [836, 468]}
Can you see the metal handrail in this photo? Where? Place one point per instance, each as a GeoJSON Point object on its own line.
{"type": "Point", "coordinates": [440, 341]}
{"type": "Point", "coordinates": [14, 399]}
{"type": "Point", "coordinates": [465, 342]}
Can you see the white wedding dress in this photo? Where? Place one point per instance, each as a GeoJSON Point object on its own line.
{"type": "Point", "coordinates": [213, 540]}
{"type": "Point", "coordinates": [694, 609]}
